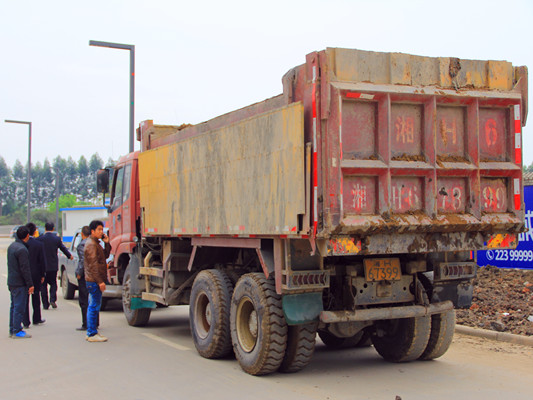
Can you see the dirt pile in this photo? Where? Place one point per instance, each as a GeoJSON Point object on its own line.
{"type": "Point", "coordinates": [502, 301]}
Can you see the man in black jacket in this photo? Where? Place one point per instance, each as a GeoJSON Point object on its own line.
{"type": "Point", "coordinates": [18, 281]}
{"type": "Point", "coordinates": [38, 270]}
{"type": "Point", "coordinates": [52, 243]}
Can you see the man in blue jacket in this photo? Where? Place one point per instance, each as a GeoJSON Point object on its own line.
{"type": "Point", "coordinates": [52, 243]}
{"type": "Point", "coordinates": [19, 282]}
{"type": "Point", "coordinates": [38, 271]}
{"type": "Point", "coordinates": [83, 294]}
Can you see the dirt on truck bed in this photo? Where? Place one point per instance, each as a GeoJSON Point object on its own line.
{"type": "Point", "coordinates": [502, 301]}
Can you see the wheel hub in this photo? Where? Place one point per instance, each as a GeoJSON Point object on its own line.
{"type": "Point", "coordinates": [247, 325]}
{"type": "Point", "coordinates": [203, 315]}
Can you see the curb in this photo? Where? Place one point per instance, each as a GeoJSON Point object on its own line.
{"type": "Point", "coordinates": [493, 335]}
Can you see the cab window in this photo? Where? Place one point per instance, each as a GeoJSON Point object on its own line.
{"type": "Point", "coordinates": [126, 185]}
{"type": "Point", "coordinates": [116, 197]}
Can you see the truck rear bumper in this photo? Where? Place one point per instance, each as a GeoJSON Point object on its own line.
{"type": "Point", "coordinates": [375, 314]}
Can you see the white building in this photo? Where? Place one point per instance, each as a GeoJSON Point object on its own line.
{"type": "Point", "coordinates": [75, 217]}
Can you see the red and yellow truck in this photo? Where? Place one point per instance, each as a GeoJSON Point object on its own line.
{"type": "Point", "coordinates": [351, 206]}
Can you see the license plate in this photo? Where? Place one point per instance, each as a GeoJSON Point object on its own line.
{"type": "Point", "coordinates": [382, 269]}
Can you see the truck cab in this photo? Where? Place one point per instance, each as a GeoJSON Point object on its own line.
{"type": "Point", "coordinates": [124, 214]}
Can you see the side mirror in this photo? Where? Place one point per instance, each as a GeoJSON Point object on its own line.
{"type": "Point", "coordinates": [102, 180]}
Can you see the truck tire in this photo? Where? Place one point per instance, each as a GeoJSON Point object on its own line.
{"type": "Point", "coordinates": [404, 340]}
{"type": "Point", "coordinates": [300, 347]}
{"type": "Point", "coordinates": [365, 340]}
{"type": "Point", "coordinates": [258, 327]}
{"type": "Point", "coordinates": [137, 317]}
{"type": "Point", "coordinates": [335, 342]}
{"type": "Point", "coordinates": [209, 313]}
{"type": "Point", "coordinates": [67, 288]}
{"type": "Point", "coordinates": [440, 338]}
{"type": "Point", "coordinates": [103, 304]}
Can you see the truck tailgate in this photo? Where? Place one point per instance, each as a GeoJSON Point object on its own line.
{"type": "Point", "coordinates": [419, 145]}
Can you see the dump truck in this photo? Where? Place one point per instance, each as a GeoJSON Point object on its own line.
{"type": "Point", "coordinates": [350, 206]}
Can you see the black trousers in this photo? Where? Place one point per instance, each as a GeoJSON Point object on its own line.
{"type": "Point", "coordinates": [36, 305]}
{"type": "Point", "coordinates": [83, 299]}
{"type": "Point", "coordinates": [49, 280]}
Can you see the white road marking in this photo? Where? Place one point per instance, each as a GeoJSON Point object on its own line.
{"type": "Point", "coordinates": [165, 341]}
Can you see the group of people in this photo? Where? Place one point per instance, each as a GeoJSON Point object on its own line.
{"type": "Point", "coordinates": [32, 271]}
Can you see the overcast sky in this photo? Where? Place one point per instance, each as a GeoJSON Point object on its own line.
{"type": "Point", "coordinates": [199, 59]}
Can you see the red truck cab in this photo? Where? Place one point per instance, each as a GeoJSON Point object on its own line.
{"type": "Point", "coordinates": [124, 213]}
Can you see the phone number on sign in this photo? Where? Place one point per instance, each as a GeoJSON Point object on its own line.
{"type": "Point", "coordinates": [510, 255]}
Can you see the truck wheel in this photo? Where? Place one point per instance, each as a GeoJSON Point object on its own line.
{"type": "Point", "coordinates": [300, 347]}
{"type": "Point", "coordinates": [258, 327]}
{"type": "Point", "coordinates": [137, 317]}
{"type": "Point", "coordinates": [364, 341]}
{"type": "Point", "coordinates": [440, 338]}
{"type": "Point", "coordinates": [67, 288]}
{"type": "Point", "coordinates": [209, 313]}
{"type": "Point", "coordinates": [335, 342]}
{"type": "Point", "coordinates": [404, 339]}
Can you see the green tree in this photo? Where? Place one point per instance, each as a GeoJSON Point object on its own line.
{"type": "Point", "coordinates": [6, 184]}
{"type": "Point", "coordinates": [65, 201]}
{"type": "Point", "coordinates": [95, 163]}
{"type": "Point", "coordinates": [19, 181]}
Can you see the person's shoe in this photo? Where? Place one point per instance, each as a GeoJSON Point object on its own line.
{"type": "Point", "coordinates": [46, 307]}
{"type": "Point", "coordinates": [21, 335]}
{"type": "Point", "coordinates": [81, 328]}
{"type": "Point", "coordinates": [39, 322]}
{"type": "Point", "coordinates": [26, 326]}
{"type": "Point", "coordinates": [96, 338]}
{"type": "Point", "coordinates": [53, 304]}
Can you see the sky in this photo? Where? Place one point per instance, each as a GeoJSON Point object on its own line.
{"type": "Point", "coordinates": [198, 59]}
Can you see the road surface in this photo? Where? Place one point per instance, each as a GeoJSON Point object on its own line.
{"type": "Point", "coordinates": [160, 362]}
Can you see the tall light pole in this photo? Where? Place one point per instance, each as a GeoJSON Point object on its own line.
{"type": "Point", "coordinates": [28, 189]}
{"type": "Point", "coordinates": [131, 48]}
{"type": "Point", "coordinates": [57, 200]}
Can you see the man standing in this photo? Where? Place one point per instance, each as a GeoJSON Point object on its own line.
{"type": "Point", "coordinates": [95, 277]}
{"type": "Point", "coordinates": [18, 281]}
{"type": "Point", "coordinates": [38, 270]}
{"type": "Point", "coordinates": [51, 242]}
{"type": "Point", "coordinates": [83, 295]}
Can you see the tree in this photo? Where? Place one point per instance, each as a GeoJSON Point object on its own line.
{"type": "Point", "coordinates": [6, 184]}
{"type": "Point", "coordinates": [95, 163]}
{"type": "Point", "coordinates": [82, 187]}
{"type": "Point", "coordinates": [65, 201]}
{"type": "Point", "coordinates": [19, 181]}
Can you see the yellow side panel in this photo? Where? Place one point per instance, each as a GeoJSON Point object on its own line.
{"type": "Point", "coordinates": [245, 178]}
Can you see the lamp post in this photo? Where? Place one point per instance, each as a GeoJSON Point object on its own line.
{"type": "Point", "coordinates": [9, 121]}
{"type": "Point", "coordinates": [131, 48]}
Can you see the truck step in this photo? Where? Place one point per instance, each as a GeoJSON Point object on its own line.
{"type": "Point", "coordinates": [151, 271]}
{"type": "Point", "coordinates": [153, 297]}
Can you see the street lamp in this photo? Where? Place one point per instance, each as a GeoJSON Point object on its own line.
{"type": "Point", "coordinates": [29, 160]}
{"type": "Point", "coordinates": [131, 48]}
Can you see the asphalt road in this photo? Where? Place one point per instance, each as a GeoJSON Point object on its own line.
{"type": "Point", "coordinates": [160, 362]}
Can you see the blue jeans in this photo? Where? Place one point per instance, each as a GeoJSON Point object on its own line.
{"type": "Point", "coordinates": [95, 301]}
{"type": "Point", "coordinates": [18, 305]}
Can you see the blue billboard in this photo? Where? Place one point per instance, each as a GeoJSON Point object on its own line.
{"type": "Point", "coordinates": [522, 256]}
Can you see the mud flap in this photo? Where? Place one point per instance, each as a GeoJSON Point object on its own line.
{"type": "Point", "coordinates": [460, 293]}
{"type": "Point", "coordinates": [137, 303]}
{"type": "Point", "coordinates": [302, 308]}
